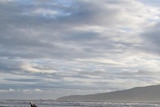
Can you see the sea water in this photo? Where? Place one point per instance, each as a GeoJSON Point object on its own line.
{"type": "Point", "coordinates": [51, 103]}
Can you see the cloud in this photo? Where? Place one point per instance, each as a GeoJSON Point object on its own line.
{"type": "Point", "coordinates": [151, 39]}
{"type": "Point", "coordinates": [77, 45]}
{"type": "Point", "coordinates": [83, 14]}
{"type": "Point", "coordinates": [153, 3]}
{"type": "Point", "coordinates": [36, 69]}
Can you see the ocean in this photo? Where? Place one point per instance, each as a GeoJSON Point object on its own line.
{"type": "Point", "coordinates": [51, 103]}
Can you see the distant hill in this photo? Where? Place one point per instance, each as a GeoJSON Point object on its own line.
{"type": "Point", "coordinates": [138, 94]}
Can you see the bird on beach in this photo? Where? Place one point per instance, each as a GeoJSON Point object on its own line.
{"type": "Point", "coordinates": [32, 105]}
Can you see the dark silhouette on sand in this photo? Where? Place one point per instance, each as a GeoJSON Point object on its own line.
{"type": "Point", "coordinates": [32, 105]}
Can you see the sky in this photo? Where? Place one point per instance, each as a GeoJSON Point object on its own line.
{"type": "Point", "coordinates": [54, 48]}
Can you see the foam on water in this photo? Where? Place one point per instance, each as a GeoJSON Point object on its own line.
{"type": "Point", "coordinates": [50, 103]}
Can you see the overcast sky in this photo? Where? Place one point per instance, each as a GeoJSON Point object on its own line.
{"type": "Point", "coordinates": [54, 48]}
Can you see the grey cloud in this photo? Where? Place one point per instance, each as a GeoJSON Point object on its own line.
{"type": "Point", "coordinates": [9, 65]}
{"type": "Point", "coordinates": [23, 80]}
{"type": "Point", "coordinates": [33, 31]}
{"type": "Point", "coordinates": [92, 13]}
{"type": "Point", "coordinates": [81, 36]}
{"type": "Point", "coordinates": [21, 34]}
{"type": "Point", "coordinates": [31, 83]}
{"type": "Point", "coordinates": [151, 39]}
{"type": "Point", "coordinates": [137, 73]}
{"type": "Point", "coordinates": [151, 3]}
{"type": "Point", "coordinates": [139, 76]}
